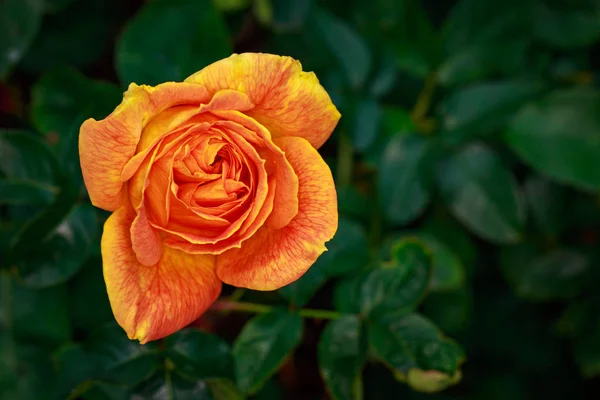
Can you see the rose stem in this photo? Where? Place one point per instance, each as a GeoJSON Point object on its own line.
{"type": "Point", "coordinates": [225, 305]}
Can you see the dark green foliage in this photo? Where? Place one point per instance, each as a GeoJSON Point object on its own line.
{"type": "Point", "coordinates": [467, 168]}
{"type": "Point", "coordinates": [263, 346]}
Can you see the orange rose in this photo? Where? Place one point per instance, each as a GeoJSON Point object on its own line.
{"type": "Point", "coordinates": [215, 179]}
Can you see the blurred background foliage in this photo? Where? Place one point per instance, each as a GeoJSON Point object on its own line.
{"type": "Point", "coordinates": [467, 162]}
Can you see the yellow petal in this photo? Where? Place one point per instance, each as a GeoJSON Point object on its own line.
{"type": "Point", "coordinates": [151, 302]}
{"type": "Point", "coordinates": [288, 101]}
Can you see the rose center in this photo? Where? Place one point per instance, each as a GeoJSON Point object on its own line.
{"type": "Point", "coordinates": [210, 172]}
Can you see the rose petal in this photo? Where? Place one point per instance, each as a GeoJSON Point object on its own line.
{"type": "Point", "coordinates": [249, 222]}
{"type": "Point", "coordinates": [288, 101]}
{"type": "Point", "coordinates": [285, 205]}
{"type": "Point", "coordinates": [274, 258]}
{"type": "Point", "coordinates": [228, 100]}
{"type": "Point", "coordinates": [107, 145]}
{"type": "Point", "coordinates": [145, 240]}
{"type": "Point", "coordinates": [179, 118]}
{"type": "Point", "coordinates": [153, 302]}
{"type": "Point", "coordinates": [234, 241]}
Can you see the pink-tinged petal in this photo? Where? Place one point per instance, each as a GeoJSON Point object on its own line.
{"type": "Point", "coordinates": [272, 258]}
{"type": "Point", "coordinates": [151, 302]}
{"type": "Point", "coordinates": [106, 146]}
{"type": "Point", "coordinates": [288, 101]}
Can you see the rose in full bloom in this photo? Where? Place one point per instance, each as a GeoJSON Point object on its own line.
{"type": "Point", "coordinates": [214, 179]}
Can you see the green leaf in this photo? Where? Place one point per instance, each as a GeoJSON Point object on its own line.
{"type": "Point", "coordinates": [348, 47]}
{"type": "Point", "coordinates": [484, 60]}
{"type": "Point", "coordinates": [396, 121]}
{"type": "Point", "coordinates": [346, 293]}
{"type": "Point", "coordinates": [448, 271]}
{"type": "Point", "coordinates": [448, 231]}
{"type": "Point", "coordinates": [38, 228]}
{"type": "Point", "coordinates": [263, 346]}
{"type": "Point", "coordinates": [25, 157]}
{"type": "Point", "coordinates": [366, 123]}
{"type": "Point", "coordinates": [167, 41]}
{"type": "Point", "coordinates": [61, 100]}
{"type": "Point", "coordinates": [62, 252]}
{"type": "Point", "coordinates": [404, 29]}
{"type": "Point", "coordinates": [63, 95]}
{"type": "Point", "coordinates": [224, 389]}
{"type": "Point", "coordinates": [352, 202]}
{"type": "Point", "coordinates": [231, 5]}
{"type": "Point", "coordinates": [106, 391]}
{"type": "Point", "coordinates": [547, 204]}
{"type": "Point", "coordinates": [405, 178]}
{"type": "Point", "coordinates": [119, 359]}
{"type": "Point", "coordinates": [483, 108]}
{"type": "Point", "coordinates": [75, 369]}
{"type": "Point", "coordinates": [482, 193]}
{"type": "Point", "coordinates": [84, 40]}
{"type": "Point", "coordinates": [574, 27]}
{"type": "Point", "coordinates": [289, 15]}
{"type": "Point", "coordinates": [172, 387]}
{"type": "Point", "coordinates": [560, 137]}
{"type": "Point", "coordinates": [199, 355]}
{"type": "Point", "coordinates": [416, 351]}
{"type": "Point", "coordinates": [431, 381]}
{"type": "Point", "coordinates": [13, 191]}
{"type": "Point", "coordinates": [40, 315]}
{"type": "Point", "coordinates": [385, 77]}
{"type": "Point", "coordinates": [346, 253]}
{"type": "Point", "coordinates": [19, 23]}
{"type": "Point", "coordinates": [557, 274]}
{"type": "Point", "coordinates": [302, 290]}
{"type": "Point", "coordinates": [416, 42]}
{"type": "Point", "coordinates": [88, 284]}
{"type": "Point", "coordinates": [478, 47]}
{"type": "Point", "coordinates": [342, 354]}
{"type": "Point", "coordinates": [399, 285]}
{"type": "Point", "coordinates": [27, 372]}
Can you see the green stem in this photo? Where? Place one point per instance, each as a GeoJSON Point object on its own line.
{"type": "Point", "coordinates": [169, 384]}
{"type": "Point", "coordinates": [345, 159]}
{"type": "Point", "coordinates": [319, 314]}
{"type": "Point", "coordinates": [237, 294]}
{"type": "Point", "coordinates": [423, 102]}
{"type": "Point", "coordinates": [225, 305]}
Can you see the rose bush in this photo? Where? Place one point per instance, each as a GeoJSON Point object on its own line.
{"type": "Point", "coordinates": [214, 179]}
